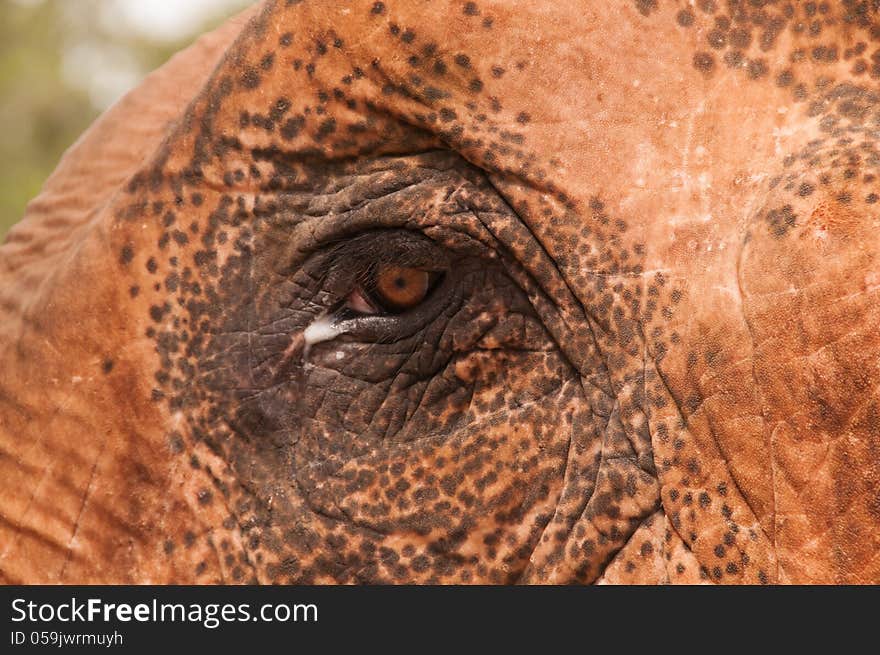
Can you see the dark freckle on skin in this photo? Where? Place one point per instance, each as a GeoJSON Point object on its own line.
{"type": "Point", "coordinates": [204, 496]}
{"type": "Point", "coordinates": [734, 58]}
{"type": "Point", "coordinates": [645, 7]}
{"type": "Point", "coordinates": [475, 85]}
{"type": "Point", "coordinates": [250, 79]}
{"type": "Point", "coordinates": [107, 365]}
{"type": "Point", "coordinates": [378, 8]}
{"type": "Point", "coordinates": [134, 291]}
{"type": "Point", "coordinates": [463, 60]}
{"type": "Point", "coordinates": [126, 255]}
{"type": "Point", "coordinates": [326, 128]}
{"type": "Point", "coordinates": [716, 39]}
{"type": "Point", "coordinates": [408, 36]}
{"type": "Point", "coordinates": [292, 127]}
{"type": "Point", "coordinates": [152, 266]}
{"type": "Point", "coordinates": [685, 18]}
{"type": "Point", "coordinates": [432, 93]}
{"type": "Point", "coordinates": [757, 68]}
{"type": "Point", "coordinates": [704, 62]}
{"type": "Point", "coordinates": [470, 9]}
{"type": "Point", "coordinates": [785, 78]}
{"type": "Point", "coordinates": [708, 6]}
{"type": "Point", "coordinates": [522, 118]}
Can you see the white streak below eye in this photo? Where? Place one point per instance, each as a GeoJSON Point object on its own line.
{"type": "Point", "coordinates": [322, 329]}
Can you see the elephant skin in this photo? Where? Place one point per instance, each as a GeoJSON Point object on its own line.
{"type": "Point", "coordinates": [650, 354]}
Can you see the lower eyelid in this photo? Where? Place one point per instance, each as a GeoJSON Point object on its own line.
{"type": "Point", "coordinates": [380, 327]}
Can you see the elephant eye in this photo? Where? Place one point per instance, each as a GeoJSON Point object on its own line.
{"type": "Point", "coordinates": [379, 287]}
{"type": "Point", "coordinates": [392, 289]}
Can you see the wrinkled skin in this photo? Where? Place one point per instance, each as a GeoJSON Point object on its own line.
{"type": "Point", "coordinates": [653, 355]}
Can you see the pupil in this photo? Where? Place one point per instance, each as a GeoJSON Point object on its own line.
{"type": "Point", "coordinates": [400, 283]}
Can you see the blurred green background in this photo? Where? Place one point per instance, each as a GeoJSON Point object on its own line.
{"type": "Point", "coordinates": [62, 62]}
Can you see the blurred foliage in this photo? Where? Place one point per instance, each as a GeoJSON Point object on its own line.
{"type": "Point", "coordinates": [42, 109]}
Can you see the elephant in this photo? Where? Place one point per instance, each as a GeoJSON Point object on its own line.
{"type": "Point", "coordinates": [459, 292]}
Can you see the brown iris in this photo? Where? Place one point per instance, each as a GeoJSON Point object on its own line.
{"type": "Point", "coordinates": [401, 287]}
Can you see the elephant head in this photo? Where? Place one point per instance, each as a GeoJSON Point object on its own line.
{"type": "Point", "coordinates": [559, 292]}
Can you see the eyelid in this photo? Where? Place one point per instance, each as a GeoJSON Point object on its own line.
{"type": "Point", "coordinates": [387, 328]}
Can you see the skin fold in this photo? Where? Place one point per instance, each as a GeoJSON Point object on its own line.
{"type": "Point", "coordinates": [651, 355]}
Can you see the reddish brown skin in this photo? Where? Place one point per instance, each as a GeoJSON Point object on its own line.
{"type": "Point", "coordinates": [659, 361]}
